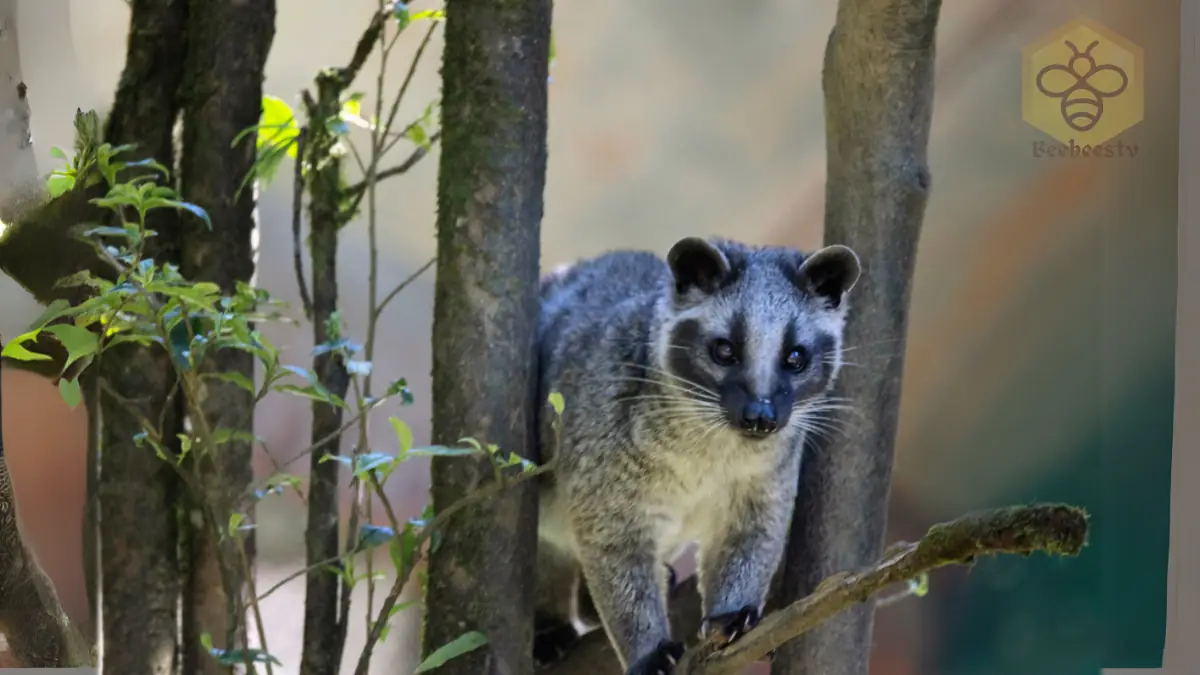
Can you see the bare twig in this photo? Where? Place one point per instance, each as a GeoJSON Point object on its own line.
{"type": "Point", "coordinates": [416, 156]}
{"type": "Point", "coordinates": [403, 285]}
{"type": "Point", "coordinates": [408, 77]}
{"type": "Point", "coordinates": [297, 241]}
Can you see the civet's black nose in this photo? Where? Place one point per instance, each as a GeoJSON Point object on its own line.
{"type": "Point", "coordinates": [758, 417]}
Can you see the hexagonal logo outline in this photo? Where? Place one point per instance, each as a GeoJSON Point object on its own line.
{"type": "Point", "coordinates": [1075, 109]}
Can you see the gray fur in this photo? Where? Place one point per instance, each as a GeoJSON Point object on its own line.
{"type": "Point", "coordinates": [648, 459]}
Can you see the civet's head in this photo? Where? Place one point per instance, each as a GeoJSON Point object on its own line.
{"type": "Point", "coordinates": [754, 338]}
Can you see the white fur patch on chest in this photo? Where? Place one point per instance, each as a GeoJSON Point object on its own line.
{"type": "Point", "coordinates": [698, 505]}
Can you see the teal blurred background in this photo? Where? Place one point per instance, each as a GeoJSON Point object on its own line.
{"type": "Point", "coordinates": [1040, 354]}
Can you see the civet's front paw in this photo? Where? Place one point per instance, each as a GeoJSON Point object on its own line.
{"type": "Point", "coordinates": [661, 661]}
{"type": "Point", "coordinates": [734, 624]}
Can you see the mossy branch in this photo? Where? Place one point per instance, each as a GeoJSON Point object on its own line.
{"type": "Point", "coordinates": [1055, 529]}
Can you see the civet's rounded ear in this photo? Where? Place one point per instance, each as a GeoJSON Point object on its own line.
{"type": "Point", "coordinates": [696, 264]}
{"type": "Point", "coordinates": [830, 273]}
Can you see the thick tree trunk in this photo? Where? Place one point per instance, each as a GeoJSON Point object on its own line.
{"type": "Point", "coordinates": [228, 43]}
{"type": "Point", "coordinates": [490, 187]}
{"type": "Point", "coordinates": [878, 82]}
{"type": "Point", "coordinates": [138, 493]}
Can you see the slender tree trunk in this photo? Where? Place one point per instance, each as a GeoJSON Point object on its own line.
{"type": "Point", "coordinates": [878, 82]}
{"type": "Point", "coordinates": [490, 188]}
{"type": "Point", "coordinates": [138, 493]}
{"type": "Point", "coordinates": [228, 43]}
{"type": "Point", "coordinates": [323, 628]}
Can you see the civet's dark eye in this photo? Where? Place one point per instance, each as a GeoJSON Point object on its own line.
{"type": "Point", "coordinates": [722, 352]}
{"type": "Point", "coordinates": [796, 359]}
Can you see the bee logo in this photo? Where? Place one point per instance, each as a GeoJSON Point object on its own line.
{"type": "Point", "coordinates": [1082, 85]}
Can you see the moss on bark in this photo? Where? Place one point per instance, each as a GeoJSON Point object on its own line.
{"type": "Point", "coordinates": [490, 186]}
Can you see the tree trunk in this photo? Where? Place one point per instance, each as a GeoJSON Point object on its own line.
{"type": "Point", "coordinates": [228, 43]}
{"type": "Point", "coordinates": [878, 82]}
{"type": "Point", "coordinates": [323, 636]}
{"type": "Point", "coordinates": [138, 493]}
{"type": "Point", "coordinates": [490, 203]}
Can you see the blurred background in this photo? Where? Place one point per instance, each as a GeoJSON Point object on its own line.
{"type": "Point", "coordinates": [1040, 353]}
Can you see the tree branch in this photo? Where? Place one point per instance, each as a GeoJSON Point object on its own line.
{"type": "Point", "coordinates": [401, 168]}
{"type": "Point", "coordinates": [1051, 528]}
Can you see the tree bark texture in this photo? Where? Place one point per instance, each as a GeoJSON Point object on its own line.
{"type": "Point", "coordinates": [138, 493]}
{"type": "Point", "coordinates": [878, 82]}
{"type": "Point", "coordinates": [490, 204]}
{"type": "Point", "coordinates": [228, 44]}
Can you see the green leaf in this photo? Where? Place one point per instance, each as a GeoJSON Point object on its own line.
{"type": "Point", "coordinates": [400, 387]}
{"type": "Point", "coordinates": [373, 461]}
{"type": "Point", "coordinates": [236, 657]}
{"type": "Point", "coordinates": [401, 558]}
{"type": "Point", "coordinates": [556, 402]}
{"type": "Point", "coordinates": [341, 346]}
{"type": "Point", "coordinates": [314, 392]}
{"type": "Point", "coordinates": [59, 184]}
{"type": "Point", "coordinates": [919, 586]}
{"type": "Point", "coordinates": [71, 394]}
{"type": "Point", "coordinates": [195, 210]}
{"type": "Point", "coordinates": [54, 310]}
{"type": "Point", "coordinates": [467, 642]}
{"type": "Point", "coordinates": [370, 536]}
{"type": "Point", "coordinates": [235, 519]}
{"type": "Point", "coordinates": [79, 342]}
{"type": "Point", "coordinates": [403, 434]}
{"type": "Point", "coordinates": [401, 14]}
{"type": "Point", "coordinates": [16, 350]}
{"type": "Point", "coordinates": [417, 135]}
{"type": "Point", "coordinates": [429, 14]}
{"type": "Point", "coordinates": [225, 435]}
{"type": "Point", "coordinates": [277, 127]}
{"type": "Point", "coordinates": [185, 446]}
{"type": "Point", "coordinates": [443, 451]}
{"type": "Point", "coordinates": [236, 378]}
{"type": "Point", "coordinates": [396, 609]}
